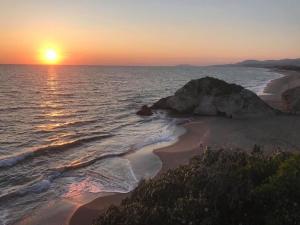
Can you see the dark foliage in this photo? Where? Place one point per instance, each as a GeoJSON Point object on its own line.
{"type": "Point", "coordinates": [217, 188]}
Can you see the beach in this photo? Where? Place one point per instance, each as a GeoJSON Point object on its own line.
{"type": "Point", "coordinates": [276, 87]}
{"type": "Point", "coordinates": [272, 133]}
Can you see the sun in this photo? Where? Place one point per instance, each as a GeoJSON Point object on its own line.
{"type": "Point", "coordinates": [51, 56]}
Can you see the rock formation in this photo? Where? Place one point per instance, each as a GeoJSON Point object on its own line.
{"type": "Point", "coordinates": [145, 111]}
{"type": "Point", "coordinates": [214, 97]}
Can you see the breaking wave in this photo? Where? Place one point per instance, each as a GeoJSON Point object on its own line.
{"type": "Point", "coordinates": [15, 159]}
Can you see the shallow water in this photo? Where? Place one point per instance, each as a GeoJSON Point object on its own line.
{"type": "Point", "coordinates": [66, 130]}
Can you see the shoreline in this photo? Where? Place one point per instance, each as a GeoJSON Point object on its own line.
{"type": "Point", "coordinates": [171, 156]}
{"type": "Point", "coordinates": [276, 87]}
{"type": "Point", "coordinates": [190, 144]}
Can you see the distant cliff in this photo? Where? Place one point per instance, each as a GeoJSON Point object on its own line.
{"type": "Point", "coordinates": [284, 63]}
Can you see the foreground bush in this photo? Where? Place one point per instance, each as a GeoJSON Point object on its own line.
{"type": "Point", "coordinates": [217, 188]}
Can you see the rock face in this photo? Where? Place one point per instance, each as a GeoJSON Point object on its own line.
{"type": "Point", "coordinates": [291, 100]}
{"type": "Point", "coordinates": [145, 111]}
{"type": "Point", "coordinates": [214, 97]}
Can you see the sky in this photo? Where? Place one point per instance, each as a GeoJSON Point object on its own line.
{"type": "Point", "coordinates": [143, 32]}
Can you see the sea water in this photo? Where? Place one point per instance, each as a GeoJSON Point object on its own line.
{"type": "Point", "coordinates": [68, 130]}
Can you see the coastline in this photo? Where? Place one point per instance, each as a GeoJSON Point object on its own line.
{"type": "Point", "coordinates": [198, 134]}
{"type": "Point", "coordinates": [276, 87]}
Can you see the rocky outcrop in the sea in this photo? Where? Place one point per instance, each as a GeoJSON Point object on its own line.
{"type": "Point", "coordinates": [291, 100]}
{"type": "Point", "coordinates": [214, 97]}
{"type": "Point", "coordinates": [145, 111]}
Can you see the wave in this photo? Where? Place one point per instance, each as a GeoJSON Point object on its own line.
{"type": "Point", "coordinates": [167, 136]}
{"type": "Point", "coordinates": [81, 164]}
{"type": "Point", "coordinates": [171, 134]}
{"type": "Point", "coordinates": [62, 94]}
{"type": "Point", "coordinates": [79, 123]}
{"type": "Point", "coordinates": [64, 125]}
{"type": "Point", "coordinates": [36, 186]}
{"type": "Point", "coordinates": [15, 159]}
{"type": "Point", "coordinates": [43, 183]}
{"type": "Point", "coordinates": [16, 108]}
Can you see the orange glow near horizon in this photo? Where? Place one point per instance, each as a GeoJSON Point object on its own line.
{"type": "Point", "coordinates": [148, 33]}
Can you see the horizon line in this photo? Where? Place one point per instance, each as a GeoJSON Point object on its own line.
{"type": "Point", "coordinates": [108, 65]}
{"type": "Point", "coordinates": [152, 65]}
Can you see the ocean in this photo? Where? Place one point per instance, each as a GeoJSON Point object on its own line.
{"type": "Point", "coordinates": [66, 131]}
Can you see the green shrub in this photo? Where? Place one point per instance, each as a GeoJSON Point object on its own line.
{"type": "Point", "coordinates": [223, 187]}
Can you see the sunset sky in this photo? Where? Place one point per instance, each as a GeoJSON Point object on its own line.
{"type": "Point", "coordinates": [143, 32]}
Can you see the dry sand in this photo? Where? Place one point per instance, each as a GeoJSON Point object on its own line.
{"type": "Point", "coordinates": [277, 132]}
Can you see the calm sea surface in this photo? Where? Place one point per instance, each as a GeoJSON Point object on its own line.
{"type": "Point", "coordinates": [65, 130]}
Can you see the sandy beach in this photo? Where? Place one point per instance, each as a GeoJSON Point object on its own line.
{"type": "Point", "coordinates": [273, 133]}
{"type": "Point", "coordinates": [276, 87]}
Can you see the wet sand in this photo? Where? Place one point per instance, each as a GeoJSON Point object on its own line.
{"type": "Point", "coordinates": [85, 214]}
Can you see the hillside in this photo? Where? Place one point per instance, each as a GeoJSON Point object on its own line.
{"type": "Point", "coordinates": [271, 63]}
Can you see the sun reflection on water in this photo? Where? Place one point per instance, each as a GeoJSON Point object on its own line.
{"type": "Point", "coordinates": [52, 82]}
{"type": "Point", "coordinates": [53, 112]}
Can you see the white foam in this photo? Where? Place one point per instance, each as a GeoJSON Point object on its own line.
{"type": "Point", "coordinates": [114, 175]}
{"type": "Point", "coordinates": [166, 134]}
{"type": "Point", "coordinates": [261, 88]}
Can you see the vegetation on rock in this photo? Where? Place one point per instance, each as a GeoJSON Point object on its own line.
{"type": "Point", "coordinates": [223, 187]}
